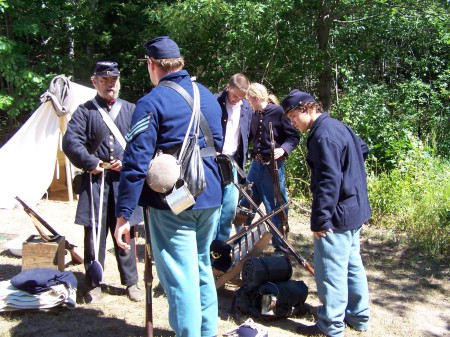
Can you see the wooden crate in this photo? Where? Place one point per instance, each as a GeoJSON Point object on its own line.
{"type": "Point", "coordinates": [36, 253]}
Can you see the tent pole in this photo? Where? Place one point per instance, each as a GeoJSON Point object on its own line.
{"type": "Point", "coordinates": [68, 166]}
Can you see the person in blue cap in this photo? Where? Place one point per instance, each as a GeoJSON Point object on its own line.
{"type": "Point", "coordinates": [91, 146]}
{"type": "Point", "coordinates": [236, 117]}
{"type": "Point", "coordinates": [261, 172]}
{"type": "Point", "coordinates": [340, 207]}
{"type": "Point", "coordinates": [180, 243]}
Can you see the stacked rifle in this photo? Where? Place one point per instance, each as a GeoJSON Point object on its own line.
{"type": "Point", "coordinates": [38, 221]}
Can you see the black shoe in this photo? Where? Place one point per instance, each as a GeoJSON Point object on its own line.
{"type": "Point", "coordinates": [310, 330]}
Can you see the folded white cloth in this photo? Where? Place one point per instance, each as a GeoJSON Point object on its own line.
{"type": "Point", "coordinates": [12, 298]}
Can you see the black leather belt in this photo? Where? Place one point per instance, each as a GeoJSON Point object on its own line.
{"type": "Point", "coordinates": [262, 159]}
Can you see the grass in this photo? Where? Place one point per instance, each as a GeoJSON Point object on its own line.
{"type": "Point", "coordinates": [414, 199]}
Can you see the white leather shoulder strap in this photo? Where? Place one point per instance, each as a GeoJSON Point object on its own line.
{"type": "Point", "coordinates": [109, 121]}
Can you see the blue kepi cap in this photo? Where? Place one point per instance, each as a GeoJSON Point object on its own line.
{"type": "Point", "coordinates": [295, 99]}
{"type": "Point", "coordinates": [106, 69]}
{"type": "Point", "coordinates": [162, 47]}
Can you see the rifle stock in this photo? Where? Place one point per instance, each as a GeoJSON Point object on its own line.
{"type": "Point", "coordinates": [76, 258]}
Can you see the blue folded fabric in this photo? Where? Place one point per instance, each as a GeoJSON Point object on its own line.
{"type": "Point", "coordinates": [37, 280]}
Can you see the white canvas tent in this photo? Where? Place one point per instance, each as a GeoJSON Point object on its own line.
{"type": "Point", "coordinates": [31, 162]}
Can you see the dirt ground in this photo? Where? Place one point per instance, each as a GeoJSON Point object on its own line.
{"type": "Point", "coordinates": [409, 293]}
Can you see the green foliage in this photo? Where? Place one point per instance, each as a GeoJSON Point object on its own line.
{"type": "Point", "coordinates": [407, 70]}
{"type": "Point", "coordinates": [256, 38]}
{"type": "Point", "coordinates": [414, 198]}
{"type": "Point", "coordinates": [384, 64]}
{"type": "Point", "coordinates": [367, 111]}
{"type": "Point", "coordinates": [297, 173]}
{"type": "Point", "coordinates": [23, 85]}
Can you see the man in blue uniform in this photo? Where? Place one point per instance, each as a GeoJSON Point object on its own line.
{"type": "Point", "coordinates": [180, 243]}
{"type": "Point", "coordinates": [236, 117]}
{"type": "Point", "coordinates": [339, 208]}
{"type": "Point", "coordinates": [286, 140]}
{"type": "Point", "coordinates": [91, 146]}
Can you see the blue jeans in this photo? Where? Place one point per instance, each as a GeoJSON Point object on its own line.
{"type": "Point", "coordinates": [230, 199]}
{"type": "Point", "coordinates": [341, 282]}
{"type": "Point", "coordinates": [262, 189]}
{"type": "Point", "coordinates": [180, 246]}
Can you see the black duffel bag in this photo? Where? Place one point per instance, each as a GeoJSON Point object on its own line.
{"type": "Point", "coordinates": [272, 300]}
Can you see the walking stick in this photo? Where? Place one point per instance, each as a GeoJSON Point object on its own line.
{"type": "Point", "coordinates": [148, 278]}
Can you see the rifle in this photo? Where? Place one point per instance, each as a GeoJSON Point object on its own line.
{"type": "Point", "coordinates": [284, 245]}
{"type": "Point", "coordinates": [38, 221]}
{"type": "Point", "coordinates": [278, 197]}
{"type": "Point", "coordinates": [148, 278]}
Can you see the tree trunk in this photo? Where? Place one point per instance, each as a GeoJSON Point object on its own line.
{"type": "Point", "coordinates": [323, 34]}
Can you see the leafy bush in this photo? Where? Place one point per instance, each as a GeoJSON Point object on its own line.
{"type": "Point", "coordinates": [297, 172]}
{"type": "Point", "coordinates": [414, 197]}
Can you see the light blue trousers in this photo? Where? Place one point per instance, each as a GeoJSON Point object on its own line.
{"type": "Point", "coordinates": [230, 199]}
{"type": "Point", "coordinates": [180, 246]}
{"type": "Point", "coordinates": [341, 282]}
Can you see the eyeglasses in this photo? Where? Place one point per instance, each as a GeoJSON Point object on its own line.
{"type": "Point", "coordinates": [145, 59]}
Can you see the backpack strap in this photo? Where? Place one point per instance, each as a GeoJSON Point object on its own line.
{"type": "Point", "coordinates": [210, 150]}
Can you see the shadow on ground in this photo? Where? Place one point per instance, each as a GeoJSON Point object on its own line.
{"type": "Point", "coordinates": [79, 322]}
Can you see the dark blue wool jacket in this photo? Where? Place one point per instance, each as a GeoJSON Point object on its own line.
{"type": "Point", "coordinates": [338, 177]}
{"type": "Point", "coordinates": [82, 131]}
{"type": "Point", "coordinates": [284, 132]}
{"type": "Point", "coordinates": [244, 126]}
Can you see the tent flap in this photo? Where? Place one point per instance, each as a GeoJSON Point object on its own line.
{"type": "Point", "coordinates": [28, 158]}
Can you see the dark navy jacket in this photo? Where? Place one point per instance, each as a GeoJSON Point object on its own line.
{"type": "Point", "coordinates": [284, 133]}
{"type": "Point", "coordinates": [160, 122]}
{"type": "Point", "coordinates": [82, 131]}
{"type": "Point", "coordinates": [244, 126]}
{"type": "Point", "coordinates": [338, 176]}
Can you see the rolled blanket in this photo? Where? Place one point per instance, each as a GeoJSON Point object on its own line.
{"type": "Point", "coordinates": [258, 270]}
